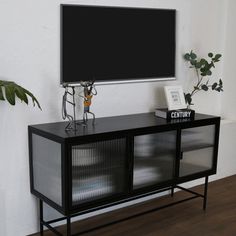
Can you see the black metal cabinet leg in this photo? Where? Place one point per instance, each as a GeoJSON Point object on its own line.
{"type": "Point", "coordinates": [41, 216]}
{"type": "Point", "coordinates": [172, 191]}
{"type": "Point", "coordinates": [205, 193]}
{"type": "Point", "coordinates": [68, 225]}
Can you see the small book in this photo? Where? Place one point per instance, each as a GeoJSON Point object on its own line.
{"type": "Point", "coordinates": [175, 114]}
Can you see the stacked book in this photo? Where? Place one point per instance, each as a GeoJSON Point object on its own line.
{"type": "Point", "coordinates": [175, 114]}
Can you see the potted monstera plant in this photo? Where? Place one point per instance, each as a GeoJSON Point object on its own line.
{"type": "Point", "coordinates": [203, 68]}
{"type": "Point", "coordinates": [9, 90]}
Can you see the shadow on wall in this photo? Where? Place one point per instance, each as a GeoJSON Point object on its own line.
{"type": "Point", "coordinates": [3, 213]}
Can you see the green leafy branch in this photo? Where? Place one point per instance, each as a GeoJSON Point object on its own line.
{"type": "Point", "coordinates": [203, 69]}
{"type": "Point", "coordinates": [9, 90]}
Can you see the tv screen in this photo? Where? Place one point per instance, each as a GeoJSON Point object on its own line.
{"type": "Point", "coordinates": [108, 44]}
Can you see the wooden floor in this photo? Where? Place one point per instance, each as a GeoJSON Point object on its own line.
{"type": "Point", "coordinates": [187, 218]}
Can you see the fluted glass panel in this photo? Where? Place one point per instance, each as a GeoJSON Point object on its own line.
{"type": "Point", "coordinates": [98, 170]}
{"type": "Point", "coordinates": [47, 168]}
{"type": "Point", "coordinates": [198, 137]}
{"type": "Point", "coordinates": [154, 158]}
{"type": "Point", "coordinates": [196, 161]}
{"type": "Point", "coordinates": [197, 147]}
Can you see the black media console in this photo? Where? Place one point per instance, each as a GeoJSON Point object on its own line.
{"type": "Point", "coordinates": [117, 160]}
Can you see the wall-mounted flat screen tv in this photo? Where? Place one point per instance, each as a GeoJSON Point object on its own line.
{"type": "Point", "coordinates": [111, 44]}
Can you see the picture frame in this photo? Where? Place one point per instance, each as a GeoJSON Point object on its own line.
{"type": "Point", "coordinates": [175, 97]}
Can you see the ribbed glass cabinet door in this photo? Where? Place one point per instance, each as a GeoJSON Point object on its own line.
{"type": "Point", "coordinates": [98, 170]}
{"type": "Point", "coordinates": [154, 158]}
{"type": "Point", "coordinates": [197, 150]}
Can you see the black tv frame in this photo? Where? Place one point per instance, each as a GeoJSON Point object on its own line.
{"type": "Point", "coordinates": [121, 81]}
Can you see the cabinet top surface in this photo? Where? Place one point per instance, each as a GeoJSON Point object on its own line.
{"type": "Point", "coordinates": [115, 124]}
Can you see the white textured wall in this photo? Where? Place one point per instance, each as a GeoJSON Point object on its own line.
{"type": "Point", "coordinates": [229, 72]}
{"type": "Point", "coordinates": [29, 55]}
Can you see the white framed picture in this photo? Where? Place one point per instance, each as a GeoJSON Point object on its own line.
{"type": "Point", "coordinates": [175, 97]}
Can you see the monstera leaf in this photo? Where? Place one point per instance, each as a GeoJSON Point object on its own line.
{"type": "Point", "coordinates": [9, 90]}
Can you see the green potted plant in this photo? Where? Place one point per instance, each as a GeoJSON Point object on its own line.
{"type": "Point", "coordinates": [203, 69]}
{"type": "Point", "coordinates": [9, 90]}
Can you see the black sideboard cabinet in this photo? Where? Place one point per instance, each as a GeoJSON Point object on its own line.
{"type": "Point", "coordinates": [117, 160]}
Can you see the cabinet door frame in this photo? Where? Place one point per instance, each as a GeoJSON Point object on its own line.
{"type": "Point", "coordinates": [216, 123]}
{"type": "Point", "coordinates": [108, 200]}
{"type": "Point", "coordinates": [164, 184]}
